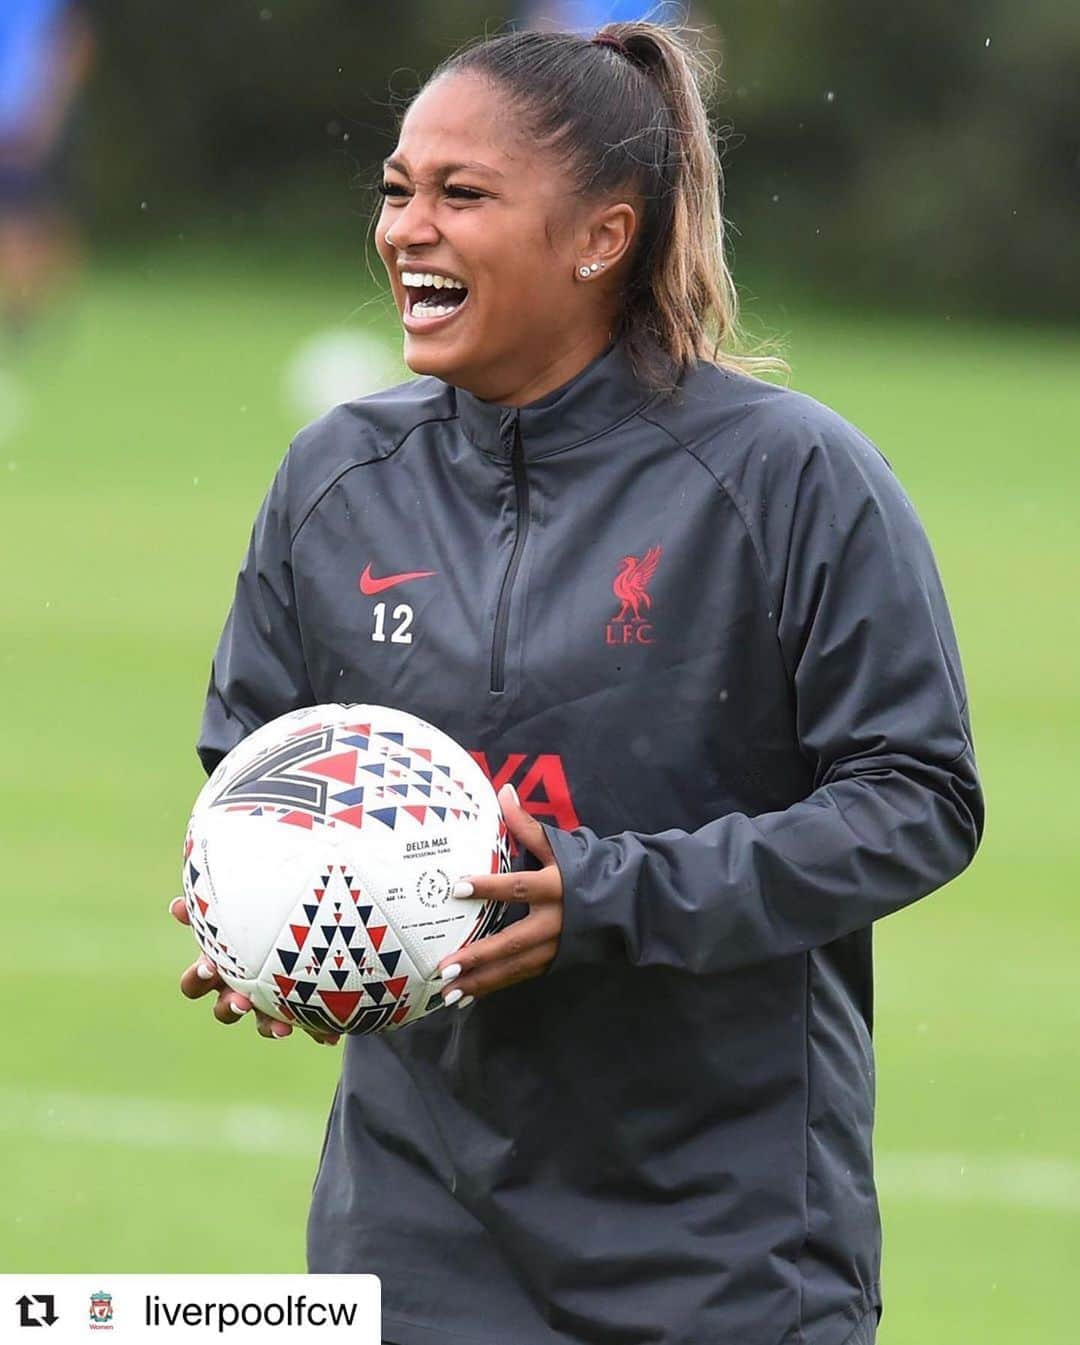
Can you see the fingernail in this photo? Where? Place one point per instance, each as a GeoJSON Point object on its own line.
{"type": "Point", "coordinates": [448, 973]}
{"type": "Point", "coordinates": [331, 1041]}
{"type": "Point", "coordinates": [280, 1029]}
{"type": "Point", "coordinates": [463, 889]}
{"type": "Point", "coordinates": [238, 1009]}
{"type": "Point", "coordinates": [172, 903]}
{"type": "Point", "coordinates": [452, 997]}
{"type": "Point", "coordinates": [204, 971]}
{"type": "Point", "coordinates": [514, 795]}
{"type": "Point", "coordinates": [466, 1001]}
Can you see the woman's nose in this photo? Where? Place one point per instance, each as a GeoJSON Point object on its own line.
{"type": "Point", "coordinates": [412, 224]}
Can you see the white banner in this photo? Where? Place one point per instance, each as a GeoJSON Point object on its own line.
{"type": "Point", "coordinates": [65, 1309]}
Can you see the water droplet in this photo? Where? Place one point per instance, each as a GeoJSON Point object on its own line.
{"type": "Point", "coordinates": [144, 205]}
{"type": "Point", "coordinates": [724, 694]}
{"type": "Point", "coordinates": [194, 480]}
{"type": "Point", "coordinates": [987, 43]}
{"type": "Point", "coordinates": [830, 97]}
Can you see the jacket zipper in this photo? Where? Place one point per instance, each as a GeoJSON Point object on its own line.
{"type": "Point", "coordinates": [502, 612]}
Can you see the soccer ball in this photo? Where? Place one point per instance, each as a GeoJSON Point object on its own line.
{"type": "Point", "coordinates": [320, 860]}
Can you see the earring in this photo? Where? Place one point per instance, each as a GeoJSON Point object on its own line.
{"type": "Point", "coordinates": [586, 271]}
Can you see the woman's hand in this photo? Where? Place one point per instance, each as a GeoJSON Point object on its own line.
{"type": "Point", "coordinates": [528, 947]}
{"type": "Point", "coordinates": [202, 977]}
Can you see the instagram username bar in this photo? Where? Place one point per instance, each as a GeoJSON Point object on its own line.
{"type": "Point", "coordinates": [110, 1309]}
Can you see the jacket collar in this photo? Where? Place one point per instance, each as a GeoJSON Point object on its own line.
{"type": "Point", "coordinates": [604, 393]}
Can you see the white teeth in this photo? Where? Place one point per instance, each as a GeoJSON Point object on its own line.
{"type": "Point", "coordinates": [417, 279]}
{"type": "Point", "coordinates": [426, 310]}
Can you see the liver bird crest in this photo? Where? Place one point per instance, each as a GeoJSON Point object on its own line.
{"type": "Point", "coordinates": [632, 582]}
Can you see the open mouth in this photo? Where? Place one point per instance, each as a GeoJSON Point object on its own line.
{"type": "Point", "coordinates": [430, 297]}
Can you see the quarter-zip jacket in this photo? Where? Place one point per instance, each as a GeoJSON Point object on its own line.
{"type": "Point", "coordinates": [705, 636]}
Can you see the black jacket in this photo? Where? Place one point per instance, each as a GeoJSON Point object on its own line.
{"type": "Point", "coordinates": [705, 637]}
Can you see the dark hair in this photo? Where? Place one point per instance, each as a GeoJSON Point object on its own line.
{"type": "Point", "coordinates": [628, 114]}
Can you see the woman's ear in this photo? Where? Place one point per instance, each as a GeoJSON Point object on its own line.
{"type": "Point", "coordinates": [609, 234]}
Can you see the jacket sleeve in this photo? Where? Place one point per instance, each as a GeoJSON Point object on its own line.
{"type": "Point", "coordinates": [895, 809]}
{"type": "Point", "coordinates": [258, 670]}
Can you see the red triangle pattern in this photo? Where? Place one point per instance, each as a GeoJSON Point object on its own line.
{"type": "Point", "coordinates": [294, 819]}
{"type": "Point", "coordinates": [352, 817]}
{"type": "Point", "coordinates": [341, 1003]}
{"type": "Point", "coordinates": [341, 766]}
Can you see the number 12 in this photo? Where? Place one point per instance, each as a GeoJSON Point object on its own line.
{"type": "Point", "coordinates": [403, 614]}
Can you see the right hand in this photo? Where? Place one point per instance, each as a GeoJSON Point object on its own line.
{"type": "Point", "coordinates": [202, 977]}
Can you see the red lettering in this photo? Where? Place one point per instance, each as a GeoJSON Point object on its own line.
{"type": "Point", "coordinates": [638, 632]}
{"type": "Point", "coordinates": [544, 790]}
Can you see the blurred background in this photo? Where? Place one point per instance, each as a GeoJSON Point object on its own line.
{"type": "Point", "coordinates": [186, 277]}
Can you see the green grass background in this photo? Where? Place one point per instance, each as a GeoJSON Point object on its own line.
{"type": "Point", "coordinates": [152, 419]}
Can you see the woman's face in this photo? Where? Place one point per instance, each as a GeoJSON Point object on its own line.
{"type": "Point", "coordinates": [470, 201]}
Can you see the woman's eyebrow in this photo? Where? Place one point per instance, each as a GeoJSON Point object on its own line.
{"type": "Point", "coordinates": [444, 170]}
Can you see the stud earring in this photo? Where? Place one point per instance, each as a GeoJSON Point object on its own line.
{"type": "Point", "coordinates": [586, 271]}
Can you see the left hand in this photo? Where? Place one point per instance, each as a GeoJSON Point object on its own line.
{"type": "Point", "coordinates": [528, 947]}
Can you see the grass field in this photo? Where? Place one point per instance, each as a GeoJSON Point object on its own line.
{"type": "Point", "coordinates": [137, 1135]}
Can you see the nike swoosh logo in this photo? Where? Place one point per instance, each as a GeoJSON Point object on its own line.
{"type": "Point", "coordinates": [369, 585]}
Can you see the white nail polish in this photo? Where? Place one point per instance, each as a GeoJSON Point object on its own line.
{"type": "Point", "coordinates": [204, 971]}
{"type": "Point", "coordinates": [452, 997]}
{"type": "Point", "coordinates": [514, 795]}
{"type": "Point", "coordinates": [450, 972]}
{"type": "Point", "coordinates": [236, 1008]}
{"type": "Point", "coordinates": [463, 889]}
{"type": "Point", "coordinates": [466, 1001]}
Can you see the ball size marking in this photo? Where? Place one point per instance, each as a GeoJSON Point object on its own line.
{"type": "Point", "coordinates": [433, 888]}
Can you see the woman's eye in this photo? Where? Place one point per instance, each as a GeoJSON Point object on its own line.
{"type": "Point", "coordinates": [463, 193]}
{"type": "Point", "coordinates": [392, 189]}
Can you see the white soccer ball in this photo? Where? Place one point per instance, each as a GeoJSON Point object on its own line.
{"type": "Point", "coordinates": [320, 859]}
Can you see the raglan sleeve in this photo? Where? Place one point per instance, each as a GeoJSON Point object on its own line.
{"type": "Point", "coordinates": [258, 670]}
{"type": "Point", "coordinates": [895, 808]}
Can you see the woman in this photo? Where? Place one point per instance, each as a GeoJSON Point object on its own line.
{"type": "Point", "coordinates": [693, 616]}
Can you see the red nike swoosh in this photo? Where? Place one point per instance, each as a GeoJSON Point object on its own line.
{"type": "Point", "coordinates": [371, 586]}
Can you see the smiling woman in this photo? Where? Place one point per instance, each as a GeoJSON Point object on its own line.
{"type": "Point", "coordinates": [694, 619]}
{"type": "Point", "coordinates": [529, 165]}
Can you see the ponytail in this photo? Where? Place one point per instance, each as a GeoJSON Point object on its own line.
{"type": "Point", "coordinates": [626, 111]}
